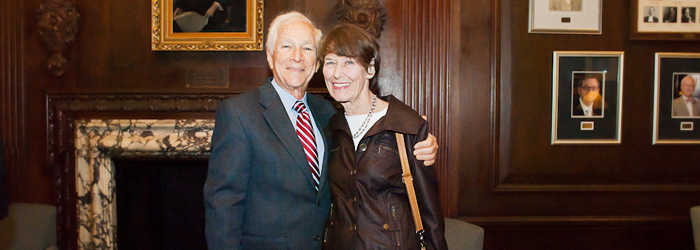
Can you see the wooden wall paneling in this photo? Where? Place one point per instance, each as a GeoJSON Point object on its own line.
{"type": "Point", "coordinates": [453, 169]}
{"type": "Point", "coordinates": [550, 197]}
{"type": "Point", "coordinates": [12, 90]}
{"type": "Point", "coordinates": [427, 46]}
{"type": "Point", "coordinates": [473, 104]}
{"type": "Point", "coordinates": [614, 168]}
{"type": "Point", "coordinates": [552, 166]}
{"type": "Point", "coordinates": [115, 54]}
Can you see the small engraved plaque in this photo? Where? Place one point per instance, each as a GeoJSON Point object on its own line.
{"type": "Point", "coordinates": [686, 126]}
{"type": "Point", "coordinates": [207, 78]}
{"type": "Point", "coordinates": [566, 20]}
{"type": "Point", "coordinates": [587, 125]}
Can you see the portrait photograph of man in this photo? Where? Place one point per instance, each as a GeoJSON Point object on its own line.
{"type": "Point", "coordinates": [670, 15]}
{"type": "Point", "coordinates": [565, 5]}
{"type": "Point", "coordinates": [587, 95]}
{"type": "Point", "coordinates": [686, 95]}
{"type": "Point", "coordinates": [688, 15]}
{"type": "Point", "coordinates": [651, 15]}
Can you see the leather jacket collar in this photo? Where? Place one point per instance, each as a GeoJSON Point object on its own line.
{"type": "Point", "coordinates": [397, 119]}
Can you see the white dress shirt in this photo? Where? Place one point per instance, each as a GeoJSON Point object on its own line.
{"type": "Point", "coordinates": [587, 111]}
{"type": "Point", "coordinates": [288, 101]}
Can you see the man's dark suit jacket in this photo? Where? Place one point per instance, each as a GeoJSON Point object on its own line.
{"type": "Point", "coordinates": [670, 18]}
{"type": "Point", "coordinates": [653, 19]}
{"type": "Point", "coordinates": [259, 192]}
{"type": "Point", "coordinates": [597, 110]}
{"type": "Point", "coordinates": [685, 19]}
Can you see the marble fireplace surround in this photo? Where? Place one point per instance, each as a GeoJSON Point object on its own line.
{"type": "Point", "coordinates": [85, 131]}
{"type": "Point", "coordinates": [98, 140]}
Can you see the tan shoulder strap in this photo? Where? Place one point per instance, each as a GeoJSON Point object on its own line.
{"type": "Point", "coordinates": [408, 180]}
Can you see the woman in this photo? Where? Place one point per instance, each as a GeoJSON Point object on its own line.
{"type": "Point", "coordinates": [370, 207]}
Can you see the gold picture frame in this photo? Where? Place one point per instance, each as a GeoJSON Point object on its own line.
{"type": "Point", "coordinates": [234, 31]}
{"type": "Point", "coordinates": [670, 125]}
{"type": "Point", "coordinates": [572, 78]}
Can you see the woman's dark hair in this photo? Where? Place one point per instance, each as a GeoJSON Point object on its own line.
{"type": "Point", "coordinates": [351, 41]}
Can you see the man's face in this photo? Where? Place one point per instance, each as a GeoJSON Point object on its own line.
{"type": "Point", "coordinates": [687, 12]}
{"type": "Point", "coordinates": [589, 90]}
{"type": "Point", "coordinates": [688, 87]}
{"type": "Point", "coordinates": [651, 11]}
{"type": "Point", "coordinates": [293, 61]}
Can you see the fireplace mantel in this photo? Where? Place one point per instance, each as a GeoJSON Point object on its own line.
{"type": "Point", "coordinates": [84, 133]}
{"type": "Point", "coordinates": [97, 141]}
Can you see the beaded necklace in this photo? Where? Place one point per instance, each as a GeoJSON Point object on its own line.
{"type": "Point", "coordinates": [366, 122]}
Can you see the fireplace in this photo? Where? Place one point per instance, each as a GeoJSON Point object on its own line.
{"type": "Point", "coordinates": [98, 141]}
{"type": "Point", "coordinates": [161, 205]}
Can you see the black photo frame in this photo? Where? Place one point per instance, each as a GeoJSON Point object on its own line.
{"type": "Point", "coordinates": [570, 69]}
{"type": "Point", "coordinates": [670, 126]}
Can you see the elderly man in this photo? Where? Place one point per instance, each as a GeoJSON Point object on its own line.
{"type": "Point", "coordinates": [651, 17]}
{"type": "Point", "coordinates": [267, 187]}
{"type": "Point", "coordinates": [590, 102]}
{"type": "Point", "coordinates": [686, 105]}
{"type": "Point", "coordinates": [565, 5]}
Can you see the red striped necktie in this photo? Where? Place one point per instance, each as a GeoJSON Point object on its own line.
{"type": "Point", "coordinates": [305, 132]}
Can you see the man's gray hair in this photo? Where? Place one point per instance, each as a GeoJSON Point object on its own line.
{"type": "Point", "coordinates": [283, 19]}
{"type": "Point", "coordinates": [689, 78]}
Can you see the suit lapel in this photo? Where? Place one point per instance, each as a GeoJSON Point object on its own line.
{"type": "Point", "coordinates": [314, 106]}
{"type": "Point", "coordinates": [683, 109]}
{"type": "Point", "coordinates": [277, 118]}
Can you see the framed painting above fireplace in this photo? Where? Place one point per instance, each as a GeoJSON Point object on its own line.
{"type": "Point", "coordinates": [206, 25]}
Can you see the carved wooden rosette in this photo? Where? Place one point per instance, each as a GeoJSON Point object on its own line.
{"type": "Point", "coordinates": [58, 24]}
{"type": "Point", "coordinates": [366, 14]}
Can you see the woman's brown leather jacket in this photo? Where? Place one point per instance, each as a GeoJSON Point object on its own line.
{"type": "Point", "coordinates": [370, 208]}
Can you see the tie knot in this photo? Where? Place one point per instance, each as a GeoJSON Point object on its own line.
{"type": "Point", "coordinates": [690, 100]}
{"type": "Point", "coordinates": [299, 107]}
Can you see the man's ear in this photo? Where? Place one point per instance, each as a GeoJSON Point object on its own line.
{"type": "Point", "coordinates": [269, 59]}
{"type": "Point", "coordinates": [370, 69]}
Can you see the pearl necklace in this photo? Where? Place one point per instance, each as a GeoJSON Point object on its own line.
{"type": "Point", "coordinates": [366, 122]}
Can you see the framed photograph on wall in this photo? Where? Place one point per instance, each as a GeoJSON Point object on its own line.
{"type": "Point", "coordinates": [587, 97]}
{"type": "Point", "coordinates": [566, 16]}
{"type": "Point", "coordinates": [677, 98]}
{"type": "Point", "coordinates": [207, 25]}
{"type": "Point", "coordinates": [665, 20]}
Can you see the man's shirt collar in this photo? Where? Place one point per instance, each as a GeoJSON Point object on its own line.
{"type": "Point", "coordinates": [288, 99]}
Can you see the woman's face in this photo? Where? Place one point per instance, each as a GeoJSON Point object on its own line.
{"type": "Point", "coordinates": [345, 78]}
